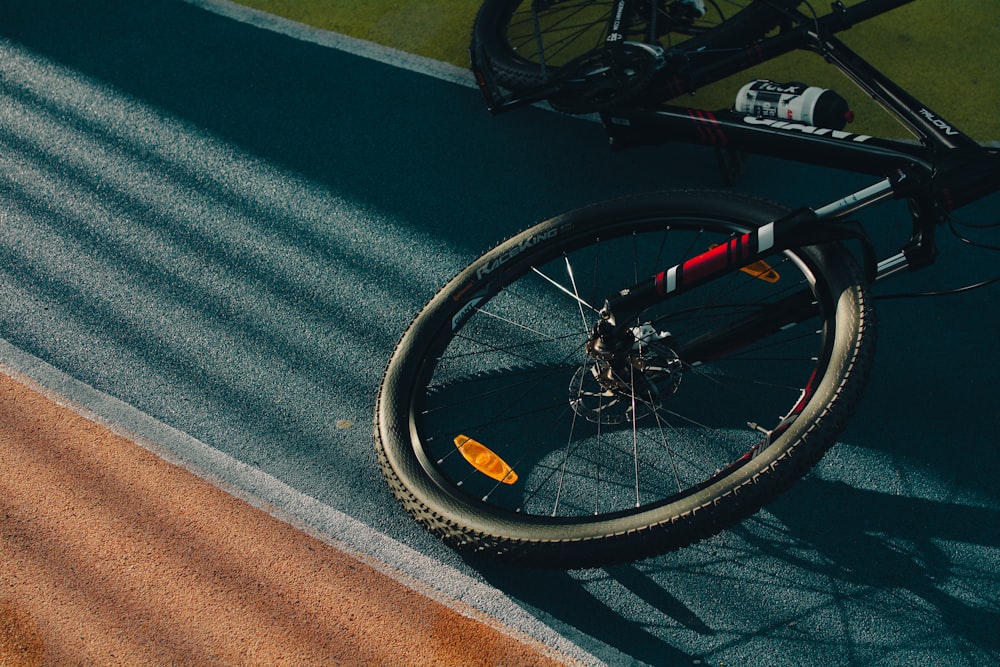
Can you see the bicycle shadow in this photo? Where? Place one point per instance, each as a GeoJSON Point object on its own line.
{"type": "Point", "coordinates": [867, 548]}
{"type": "Point", "coordinates": [886, 551]}
{"type": "Point", "coordinates": [883, 541]}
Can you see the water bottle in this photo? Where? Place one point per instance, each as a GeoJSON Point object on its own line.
{"type": "Point", "coordinates": [794, 101]}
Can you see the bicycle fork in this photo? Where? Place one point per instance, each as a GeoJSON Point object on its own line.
{"type": "Point", "coordinates": [612, 336]}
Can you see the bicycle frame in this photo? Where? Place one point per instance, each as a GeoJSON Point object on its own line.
{"type": "Point", "coordinates": [944, 171]}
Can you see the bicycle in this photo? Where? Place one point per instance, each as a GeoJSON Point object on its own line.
{"type": "Point", "coordinates": [640, 374]}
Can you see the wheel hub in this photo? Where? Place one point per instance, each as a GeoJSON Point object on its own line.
{"type": "Point", "coordinates": [617, 387]}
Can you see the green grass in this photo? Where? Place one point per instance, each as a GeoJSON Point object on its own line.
{"type": "Point", "coordinates": [438, 29]}
{"type": "Point", "coordinates": [945, 52]}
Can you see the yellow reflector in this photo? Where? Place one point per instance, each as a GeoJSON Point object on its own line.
{"type": "Point", "coordinates": [762, 270]}
{"type": "Point", "coordinates": [759, 269]}
{"type": "Point", "coordinates": [483, 459]}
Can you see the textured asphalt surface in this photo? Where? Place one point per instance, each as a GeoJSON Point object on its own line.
{"type": "Point", "coordinates": [213, 231]}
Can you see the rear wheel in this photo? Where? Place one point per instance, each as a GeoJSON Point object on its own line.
{"type": "Point", "coordinates": [499, 431]}
{"type": "Point", "coordinates": [527, 43]}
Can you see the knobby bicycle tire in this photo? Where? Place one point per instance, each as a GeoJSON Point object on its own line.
{"type": "Point", "coordinates": [525, 49]}
{"type": "Point", "coordinates": [572, 474]}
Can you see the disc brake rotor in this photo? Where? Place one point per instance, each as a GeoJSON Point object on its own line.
{"type": "Point", "coordinates": [618, 391]}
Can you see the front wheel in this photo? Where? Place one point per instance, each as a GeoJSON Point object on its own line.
{"type": "Point", "coordinates": [502, 434]}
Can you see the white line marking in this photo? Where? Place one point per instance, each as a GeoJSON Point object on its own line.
{"type": "Point", "coordinates": [359, 47]}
